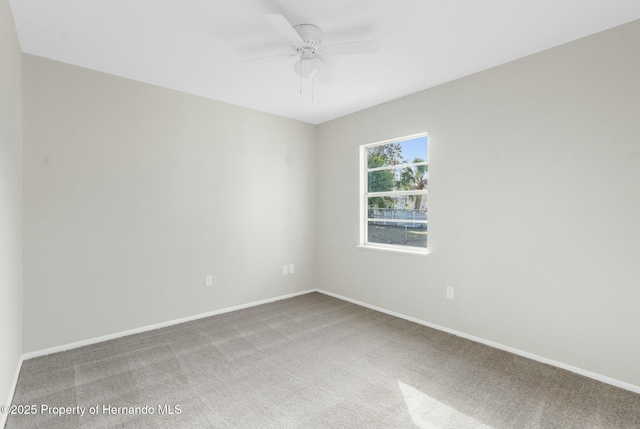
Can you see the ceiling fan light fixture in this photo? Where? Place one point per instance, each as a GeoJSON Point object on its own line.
{"type": "Point", "coordinates": [306, 67]}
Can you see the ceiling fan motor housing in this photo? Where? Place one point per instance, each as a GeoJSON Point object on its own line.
{"type": "Point", "coordinates": [312, 37]}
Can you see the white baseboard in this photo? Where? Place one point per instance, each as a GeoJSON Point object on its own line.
{"type": "Point", "coordinates": [584, 372]}
{"type": "Point", "coordinates": [3, 416]}
{"type": "Point", "coordinates": [102, 338]}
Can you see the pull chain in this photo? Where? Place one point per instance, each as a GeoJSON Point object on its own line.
{"type": "Point", "coordinates": [300, 73]}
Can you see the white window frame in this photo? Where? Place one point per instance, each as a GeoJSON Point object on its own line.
{"type": "Point", "coordinates": [365, 195]}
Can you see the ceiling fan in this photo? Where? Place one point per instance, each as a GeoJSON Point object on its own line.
{"type": "Point", "coordinates": [307, 47]}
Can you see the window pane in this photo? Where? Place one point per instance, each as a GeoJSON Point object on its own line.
{"type": "Point", "coordinates": [381, 181]}
{"type": "Point", "coordinates": [398, 179]}
{"type": "Point", "coordinates": [409, 205]}
{"type": "Point", "coordinates": [404, 235]}
{"type": "Point", "coordinates": [403, 152]}
{"type": "Point", "coordinates": [384, 155]}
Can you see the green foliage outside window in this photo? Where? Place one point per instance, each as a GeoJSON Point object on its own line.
{"type": "Point", "coordinates": [411, 178]}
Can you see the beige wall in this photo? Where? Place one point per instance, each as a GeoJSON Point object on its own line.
{"type": "Point", "coordinates": [133, 193]}
{"type": "Point", "coordinates": [10, 217]}
{"type": "Point", "coordinates": [534, 200]}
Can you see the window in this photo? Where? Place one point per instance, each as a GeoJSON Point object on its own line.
{"type": "Point", "coordinates": [394, 177]}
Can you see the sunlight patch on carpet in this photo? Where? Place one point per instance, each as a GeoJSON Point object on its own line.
{"type": "Point", "coordinates": [429, 413]}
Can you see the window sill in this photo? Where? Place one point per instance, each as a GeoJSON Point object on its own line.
{"type": "Point", "coordinates": [394, 250]}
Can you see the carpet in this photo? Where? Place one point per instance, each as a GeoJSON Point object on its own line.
{"type": "Point", "coordinates": [311, 361]}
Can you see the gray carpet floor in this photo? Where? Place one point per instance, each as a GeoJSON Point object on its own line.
{"type": "Point", "coordinates": [310, 362]}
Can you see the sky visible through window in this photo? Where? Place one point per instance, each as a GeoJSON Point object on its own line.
{"type": "Point", "coordinates": [415, 148]}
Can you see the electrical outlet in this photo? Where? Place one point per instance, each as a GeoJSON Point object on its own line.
{"type": "Point", "coordinates": [450, 294]}
{"type": "Point", "coordinates": [291, 269]}
{"type": "Point", "coordinates": [208, 280]}
{"type": "Point", "coordinates": [285, 270]}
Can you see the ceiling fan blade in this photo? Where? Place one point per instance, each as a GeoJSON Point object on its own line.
{"type": "Point", "coordinates": [284, 27]}
{"type": "Point", "coordinates": [350, 48]}
{"type": "Point", "coordinates": [270, 57]}
{"type": "Point", "coordinates": [323, 74]}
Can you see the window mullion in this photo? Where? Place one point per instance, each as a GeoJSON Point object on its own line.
{"type": "Point", "coordinates": [396, 193]}
{"type": "Point", "coordinates": [394, 167]}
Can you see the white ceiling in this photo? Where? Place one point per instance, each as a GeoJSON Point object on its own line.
{"type": "Point", "coordinates": [197, 46]}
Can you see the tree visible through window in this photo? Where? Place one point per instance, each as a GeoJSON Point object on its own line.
{"type": "Point", "coordinates": [395, 178]}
